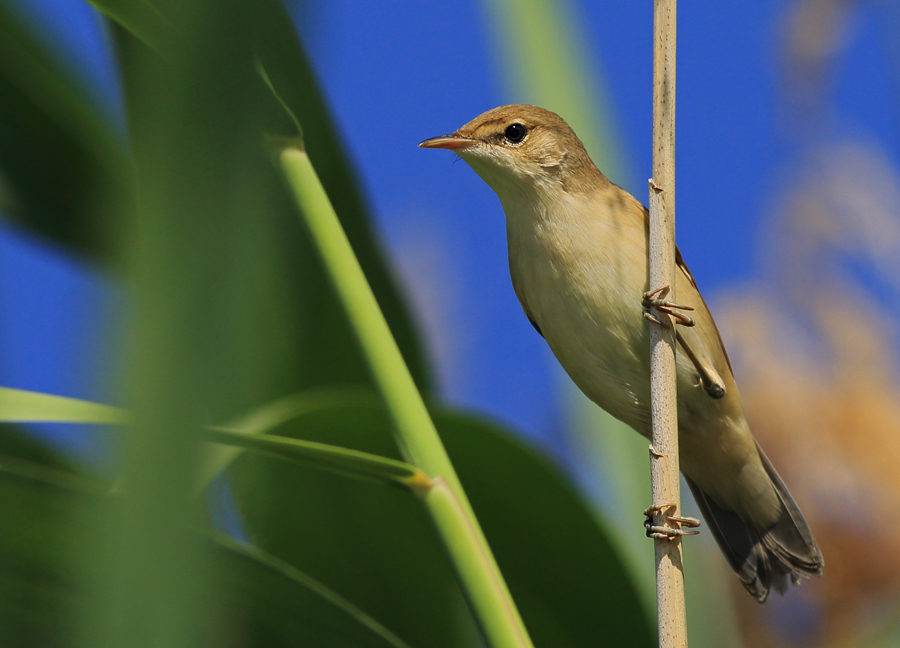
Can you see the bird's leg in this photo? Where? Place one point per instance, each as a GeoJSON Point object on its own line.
{"type": "Point", "coordinates": [710, 379]}
{"type": "Point", "coordinates": [652, 299]}
{"type": "Point", "coordinates": [666, 533]}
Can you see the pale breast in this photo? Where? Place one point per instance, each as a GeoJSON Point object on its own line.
{"type": "Point", "coordinates": [580, 278]}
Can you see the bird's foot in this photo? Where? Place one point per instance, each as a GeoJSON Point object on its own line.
{"type": "Point", "coordinates": [653, 299]}
{"type": "Point", "coordinates": [658, 532]}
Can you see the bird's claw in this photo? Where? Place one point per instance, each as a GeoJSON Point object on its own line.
{"type": "Point", "coordinates": [652, 299]}
{"type": "Point", "coordinates": [669, 533]}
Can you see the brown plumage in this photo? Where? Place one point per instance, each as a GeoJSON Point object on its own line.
{"type": "Point", "coordinates": [578, 262]}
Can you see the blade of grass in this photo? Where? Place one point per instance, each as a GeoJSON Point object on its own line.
{"type": "Point", "coordinates": [21, 406]}
{"type": "Point", "coordinates": [323, 456]}
{"type": "Point", "coordinates": [217, 458]}
{"type": "Point", "coordinates": [262, 562]}
{"type": "Point", "coordinates": [414, 430]}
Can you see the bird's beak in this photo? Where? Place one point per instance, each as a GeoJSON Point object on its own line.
{"type": "Point", "coordinates": [452, 141]}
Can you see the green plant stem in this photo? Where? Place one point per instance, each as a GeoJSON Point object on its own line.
{"type": "Point", "coordinates": [414, 430]}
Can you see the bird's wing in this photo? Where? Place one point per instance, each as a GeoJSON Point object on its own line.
{"type": "Point", "coordinates": [533, 323]}
{"type": "Point", "coordinates": [682, 266]}
{"type": "Point", "coordinates": [704, 339]}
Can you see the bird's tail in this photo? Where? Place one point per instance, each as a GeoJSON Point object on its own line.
{"type": "Point", "coordinates": [764, 558]}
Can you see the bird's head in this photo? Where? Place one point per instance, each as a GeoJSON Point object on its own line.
{"type": "Point", "coordinates": [522, 148]}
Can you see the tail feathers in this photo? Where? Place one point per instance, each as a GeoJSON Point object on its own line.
{"type": "Point", "coordinates": [764, 559]}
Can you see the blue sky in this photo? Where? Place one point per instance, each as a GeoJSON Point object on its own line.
{"type": "Point", "coordinates": [397, 72]}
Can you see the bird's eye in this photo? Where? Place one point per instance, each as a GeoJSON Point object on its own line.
{"type": "Point", "coordinates": [515, 133]}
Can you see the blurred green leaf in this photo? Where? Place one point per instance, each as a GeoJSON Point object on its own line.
{"type": "Point", "coordinates": [80, 194]}
{"type": "Point", "coordinates": [322, 456]}
{"type": "Point", "coordinates": [232, 307]}
{"type": "Point", "coordinates": [285, 292]}
{"type": "Point", "coordinates": [263, 601]}
{"type": "Point", "coordinates": [20, 406]}
{"type": "Point", "coordinates": [141, 18]}
{"type": "Point", "coordinates": [40, 594]}
{"type": "Point", "coordinates": [377, 545]}
{"type": "Point", "coordinates": [64, 173]}
{"type": "Point", "coordinates": [41, 495]}
{"type": "Point", "coordinates": [265, 419]}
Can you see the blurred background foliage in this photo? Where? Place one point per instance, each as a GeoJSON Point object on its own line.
{"type": "Point", "coordinates": [151, 257]}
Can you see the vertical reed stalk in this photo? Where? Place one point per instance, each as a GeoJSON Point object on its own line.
{"type": "Point", "coordinates": [664, 450]}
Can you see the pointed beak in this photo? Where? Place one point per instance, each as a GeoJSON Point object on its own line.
{"type": "Point", "coordinates": [453, 141]}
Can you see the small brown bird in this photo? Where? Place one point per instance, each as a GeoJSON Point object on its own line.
{"type": "Point", "coordinates": [578, 261]}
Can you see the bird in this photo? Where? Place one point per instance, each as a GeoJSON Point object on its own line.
{"type": "Point", "coordinates": [577, 247]}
